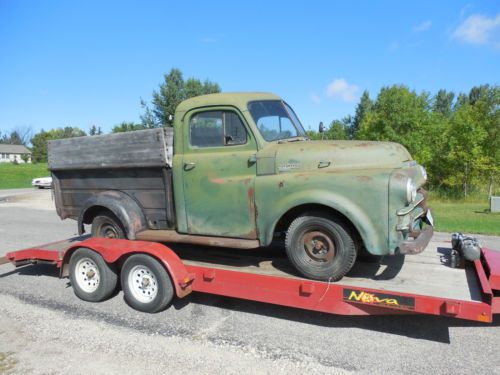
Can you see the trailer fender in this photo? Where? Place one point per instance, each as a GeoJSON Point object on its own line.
{"type": "Point", "coordinates": [125, 208]}
{"type": "Point", "coordinates": [116, 250]}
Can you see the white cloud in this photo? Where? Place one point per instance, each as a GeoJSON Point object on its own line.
{"type": "Point", "coordinates": [479, 29]}
{"type": "Point", "coordinates": [315, 98]}
{"type": "Point", "coordinates": [424, 26]}
{"type": "Point", "coordinates": [341, 89]}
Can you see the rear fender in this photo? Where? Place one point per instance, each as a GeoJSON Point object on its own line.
{"type": "Point", "coordinates": [117, 250]}
{"type": "Point", "coordinates": [125, 208]}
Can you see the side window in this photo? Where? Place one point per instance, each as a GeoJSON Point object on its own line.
{"type": "Point", "coordinates": [206, 130]}
{"type": "Point", "coordinates": [216, 129]}
{"type": "Point", "coordinates": [234, 130]}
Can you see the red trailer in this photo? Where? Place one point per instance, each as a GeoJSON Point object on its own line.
{"type": "Point", "coordinates": [152, 274]}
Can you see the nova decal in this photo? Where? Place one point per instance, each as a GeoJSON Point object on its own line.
{"type": "Point", "coordinates": [379, 299]}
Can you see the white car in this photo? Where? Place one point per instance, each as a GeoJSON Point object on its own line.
{"type": "Point", "coordinates": [42, 182]}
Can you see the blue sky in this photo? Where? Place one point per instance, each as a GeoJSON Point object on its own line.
{"type": "Point", "coordinates": [84, 63]}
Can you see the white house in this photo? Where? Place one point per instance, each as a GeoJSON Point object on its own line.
{"type": "Point", "coordinates": [12, 153]}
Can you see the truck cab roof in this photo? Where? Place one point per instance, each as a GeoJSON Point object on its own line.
{"type": "Point", "coordinates": [236, 99]}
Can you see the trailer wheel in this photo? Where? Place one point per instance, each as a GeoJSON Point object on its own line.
{"type": "Point", "coordinates": [107, 225]}
{"type": "Point", "coordinates": [146, 284]}
{"type": "Point", "coordinates": [92, 278]}
{"type": "Point", "coordinates": [320, 247]}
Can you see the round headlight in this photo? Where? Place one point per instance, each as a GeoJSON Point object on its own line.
{"type": "Point", "coordinates": [411, 190]}
{"type": "Point", "coordinates": [424, 172]}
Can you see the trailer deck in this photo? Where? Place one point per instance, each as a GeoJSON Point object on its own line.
{"type": "Point", "coordinates": [421, 283]}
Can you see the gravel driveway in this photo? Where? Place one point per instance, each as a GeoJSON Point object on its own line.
{"type": "Point", "coordinates": [44, 328]}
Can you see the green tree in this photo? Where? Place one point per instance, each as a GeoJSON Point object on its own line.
{"type": "Point", "coordinates": [337, 130]}
{"type": "Point", "coordinates": [171, 92]}
{"type": "Point", "coordinates": [485, 100]}
{"type": "Point", "coordinates": [461, 100]}
{"type": "Point", "coordinates": [127, 127]}
{"type": "Point", "coordinates": [95, 130]}
{"type": "Point", "coordinates": [465, 158]}
{"type": "Point", "coordinates": [398, 114]}
{"type": "Point", "coordinates": [18, 136]}
{"type": "Point", "coordinates": [40, 140]}
{"type": "Point", "coordinates": [443, 102]}
{"type": "Point", "coordinates": [362, 109]}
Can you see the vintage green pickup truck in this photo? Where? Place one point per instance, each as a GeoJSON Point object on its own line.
{"type": "Point", "coordinates": [237, 170]}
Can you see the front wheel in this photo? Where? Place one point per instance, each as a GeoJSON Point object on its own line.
{"type": "Point", "coordinates": [146, 284]}
{"type": "Point", "coordinates": [320, 247]}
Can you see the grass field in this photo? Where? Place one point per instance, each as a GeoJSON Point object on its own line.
{"type": "Point", "coordinates": [464, 216]}
{"type": "Point", "coordinates": [468, 216]}
{"type": "Point", "coordinates": [14, 176]}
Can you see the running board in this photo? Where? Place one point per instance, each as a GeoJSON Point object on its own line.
{"type": "Point", "coordinates": [173, 236]}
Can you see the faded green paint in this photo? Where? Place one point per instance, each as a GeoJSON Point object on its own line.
{"type": "Point", "coordinates": [230, 194]}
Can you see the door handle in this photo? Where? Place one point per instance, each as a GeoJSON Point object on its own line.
{"type": "Point", "coordinates": [189, 166]}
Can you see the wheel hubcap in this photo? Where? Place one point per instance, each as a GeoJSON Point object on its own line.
{"type": "Point", "coordinates": [108, 231]}
{"type": "Point", "coordinates": [87, 275]}
{"type": "Point", "coordinates": [319, 246]}
{"type": "Point", "coordinates": [143, 284]}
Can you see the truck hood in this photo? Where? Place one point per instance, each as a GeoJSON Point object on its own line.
{"type": "Point", "coordinates": [315, 155]}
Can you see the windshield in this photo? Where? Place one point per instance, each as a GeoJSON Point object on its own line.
{"type": "Point", "coordinates": [275, 120]}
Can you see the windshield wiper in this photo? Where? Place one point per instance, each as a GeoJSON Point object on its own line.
{"type": "Point", "coordinates": [294, 139]}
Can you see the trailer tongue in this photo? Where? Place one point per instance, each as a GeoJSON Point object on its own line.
{"type": "Point", "coordinates": [421, 284]}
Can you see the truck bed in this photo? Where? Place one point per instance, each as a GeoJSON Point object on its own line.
{"type": "Point", "coordinates": [136, 149]}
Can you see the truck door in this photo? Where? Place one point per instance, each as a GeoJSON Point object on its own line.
{"type": "Point", "coordinates": [219, 174]}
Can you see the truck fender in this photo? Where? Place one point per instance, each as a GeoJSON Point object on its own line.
{"type": "Point", "coordinates": [124, 207]}
{"type": "Point", "coordinates": [373, 239]}
{"type": "Point", "coordinates": [116, 250]}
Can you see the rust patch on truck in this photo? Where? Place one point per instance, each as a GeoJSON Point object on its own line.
{"type": "Point", "coordinates": [218, 181]}
{"type": "Point", "coordinates": [252, 211]}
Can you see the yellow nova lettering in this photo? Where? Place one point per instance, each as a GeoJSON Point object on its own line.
{"type": "Point", "coordinates": [371, 298]}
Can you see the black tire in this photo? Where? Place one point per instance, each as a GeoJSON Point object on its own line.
{"type": "Point", "coordinates": [82, 272]}
{"type": "Point", "coordinates": [107, 225]}
{"type": "Point", "coordinates": [320, 247]}
{"type": "Point", "coordinates": [146, 284]}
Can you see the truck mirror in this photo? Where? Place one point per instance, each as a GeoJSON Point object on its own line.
{"type": "Point", "coordinates": [321, 127]}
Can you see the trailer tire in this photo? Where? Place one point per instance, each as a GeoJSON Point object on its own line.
{"type": "Point", "coordinates": [146, 284]}
{"type": "Point", "coordinates": [320, 247]}
{"type": "Point", "coordinates": [93, 279]}
{"type": "Point", "coordinates": [107, 225]}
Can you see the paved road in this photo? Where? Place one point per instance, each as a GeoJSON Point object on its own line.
{"type": "Point", "coordinates": [44, 328]}
{"type": "Point", "coordinates": [4, 193]}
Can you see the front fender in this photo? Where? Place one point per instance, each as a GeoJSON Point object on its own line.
{"type": "Point", "coordinates": [373, 237]}
{"type": "Point", "coordinates": [124, 207]}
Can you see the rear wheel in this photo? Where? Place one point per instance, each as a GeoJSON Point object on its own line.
{"type": "Point", "coordinates": [92, 278]}
{"type": "Point", "coordinates": [146, 284]}
{"type": "Point", "coordinates": [320, 247]}
{"type": "Point", "coordinates": [107, 225]}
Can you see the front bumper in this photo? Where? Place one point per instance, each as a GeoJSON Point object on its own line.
{"type": "Point", "coordinates": [410, 225]}
{"type": "Point", "coordinates": [419, 243]}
